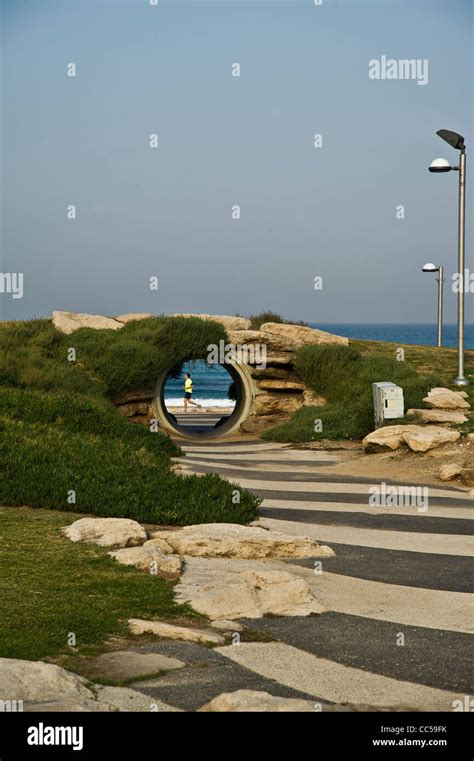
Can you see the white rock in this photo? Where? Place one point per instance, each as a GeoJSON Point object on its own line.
{"type": "Point", "coordinates": [106, 532]}
{"type": "Point", "coordinates": [387, 437]}
{"type": "Point", "coordinates": [228, 321]}
{"type": "Point", "coordinates": [470, 438]}
{"type": "Point", "coordinates": [300, 335]}
{"type": "Point", "coordinates": [46, 687]}
{"type": "Point", "coordinates": [68, 322]}
{"type": "Point", "coordinates": [172, 631]}
{"type": "Point", "coordinates": [419, 438]}
{"type": "Point", "coordinates": [423, 438]}
{"type": "Point", "coordinates": [444, 398]}
{"type": "Point", "coordinates": [149, 558]}
{"type": "Point", "coordinates": [230, 589]}
{"type": "Point", "coordinates": [439, 416]}
{"type": "Point", "coordinates": [132, 316]}
{"type": "Point", "coordinates": [449, 470]}
{"type": "Point", "coordinates": [232, 540]}
{"type": "Point", "coordinates": [255, 700]}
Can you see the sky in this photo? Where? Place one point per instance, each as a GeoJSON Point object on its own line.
{"type": "Point", "coordinates": [359, 211]}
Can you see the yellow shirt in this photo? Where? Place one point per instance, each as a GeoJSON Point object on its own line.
{"type": "Point", "coordinates": [188, 385]}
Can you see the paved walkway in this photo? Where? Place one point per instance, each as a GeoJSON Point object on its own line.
{"type": "Point", "coordinates": [395, 631]}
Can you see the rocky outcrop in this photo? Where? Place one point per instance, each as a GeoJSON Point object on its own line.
{"type": "Point", "coordinates": [445, 399]}
{"type": "Point", "coordinates": [298, 335]}
{"type": "Point", "coordinates": [255, 701]}
{"type": "Point", "coordinates": [277, 391]}
{"type": "Point", "coordinates": [106, 532]}
{"type": "Point", "coordinates": [47, 687]}
{"type": "Point", "coordinates": [217, 540]}
{"type": "Point", "coordinates": [172, 631]}
{"type": "Point", "coordinates": [228, 322]}
{"type": "Point", "coordinates": [449, 470]}
{"type": "Point", "coordinates": [418, 438]}
{"type": "Point", "coordinates": [455, 417]}
{"type": "Point", "coordinates": [68, 322]}
{"type": "Point", "coordinates": [151, 558]}
{"type": "Point", "coordinates": [230, 588]}
{"type": "Point", "coordinates": [133, 316]}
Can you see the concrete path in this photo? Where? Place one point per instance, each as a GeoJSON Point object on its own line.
{"type": "Point", "coordinates": [398, 611]}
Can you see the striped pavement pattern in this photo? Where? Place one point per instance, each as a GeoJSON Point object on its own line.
{"type": "Point", "coordinates": [398, 573]}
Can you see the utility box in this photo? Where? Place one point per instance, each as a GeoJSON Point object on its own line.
{"type": "Point", "coordinates": [388, 402]}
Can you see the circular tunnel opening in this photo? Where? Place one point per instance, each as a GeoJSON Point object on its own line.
{"type": "Point", "coordinates": [215, 403]}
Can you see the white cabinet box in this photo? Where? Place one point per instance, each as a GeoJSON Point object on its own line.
{"type": "Point", "coordinates": [388, 402]}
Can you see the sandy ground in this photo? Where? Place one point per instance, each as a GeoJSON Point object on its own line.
{"type": "Point", "coordinates": [401, 465]}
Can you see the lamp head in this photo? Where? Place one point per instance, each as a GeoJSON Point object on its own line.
{"type": "Point", "coordinates": [452, 138]}
{"type": "Point", "coordinates": [440, 165]}
{"type": "Point", "coordinates": [429, 267]}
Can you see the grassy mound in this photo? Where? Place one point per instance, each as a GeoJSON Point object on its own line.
{"type": "Point", "coordinates": [344, 376]}
{"type": "Point", "coordinates": [60, 432]}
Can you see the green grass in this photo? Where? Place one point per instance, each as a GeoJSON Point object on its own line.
{"type": "Point", "coordinates": [60, 431]}
{"type": "Point", "coordinates": [50, 587]}
{"type": "Point", "coordinates": [344, 376]}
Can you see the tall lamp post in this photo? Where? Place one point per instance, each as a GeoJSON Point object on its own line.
{"type": "Point", "coordinates": [441, 165]}
{"type": "Point", "coordinates": [440, 280]}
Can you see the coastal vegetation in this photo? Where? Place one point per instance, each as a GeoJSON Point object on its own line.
{"type": "Point", "coordinates": [63, 444]}
{"type": "Point", "coordinates": [343, 375]}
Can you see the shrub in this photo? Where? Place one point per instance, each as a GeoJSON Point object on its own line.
{"type": "Point", "coordinates": [41, 463]}
{"type": "Point", "coordinates": [344, 377]}
{"type": "Point", "coordinates": [59, 430]}
{"type": "Point", "coordinates": [257, 320]}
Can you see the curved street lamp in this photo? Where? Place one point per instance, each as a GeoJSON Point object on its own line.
{"type": "Point", "coordinates": [456, 141]}
{"type": "Point", "coordinates": [429, 267]}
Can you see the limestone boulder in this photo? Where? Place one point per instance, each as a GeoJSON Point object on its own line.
{"type": "Point", "coordinates": [68, 322]}
{"type": "Point", "coordinates": [173, 631]}
{"type": "Point", "coordinates": [229, 589]}
{"type": "Point", "coordinates": [150, 558]}
{"type": "Point", "coordinates": [383, 439]}
{"type": "Point", "coordinates": [272, 373]}
{"type": "Point", "coordinates": [417, 437]}
{"type": "Point", "coordinates": [299, 335]}
{"type": "Point", "coordinates": [258, 424]}
{"type": "Point", "coordinates": [133, 316]}
{"type": "Point", "coordinates": [435, 415]}
{"type": "Point", "coordinates": [106, 532]}
{"type": "Point", "coordinates": [449, 470]}
{"type": "Point", "coordinates": [253, 701]}
{"type": "Point", "coordinates": [285, 386]}
{"type": "Point", "coordinates": [213, 540]}
{"type": "Point", "coordinates": [229, 322]}
{"type": "Point", "coordinates": [271, 403]}
{"type": "Point", "coordinates": [423, 438]}
{"type": "Point", "coordinates": [445, 399]}
{"type": "Point", "coordinates": [46, 687]}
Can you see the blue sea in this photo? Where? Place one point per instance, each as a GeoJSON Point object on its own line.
{"type": "Point", "coordinates": [423, 335]}
{"type": "Point", "coordinates": [211, 384]}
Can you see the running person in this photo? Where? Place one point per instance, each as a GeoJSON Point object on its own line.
{"type": "Point", "coordinates": [188, 390]}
